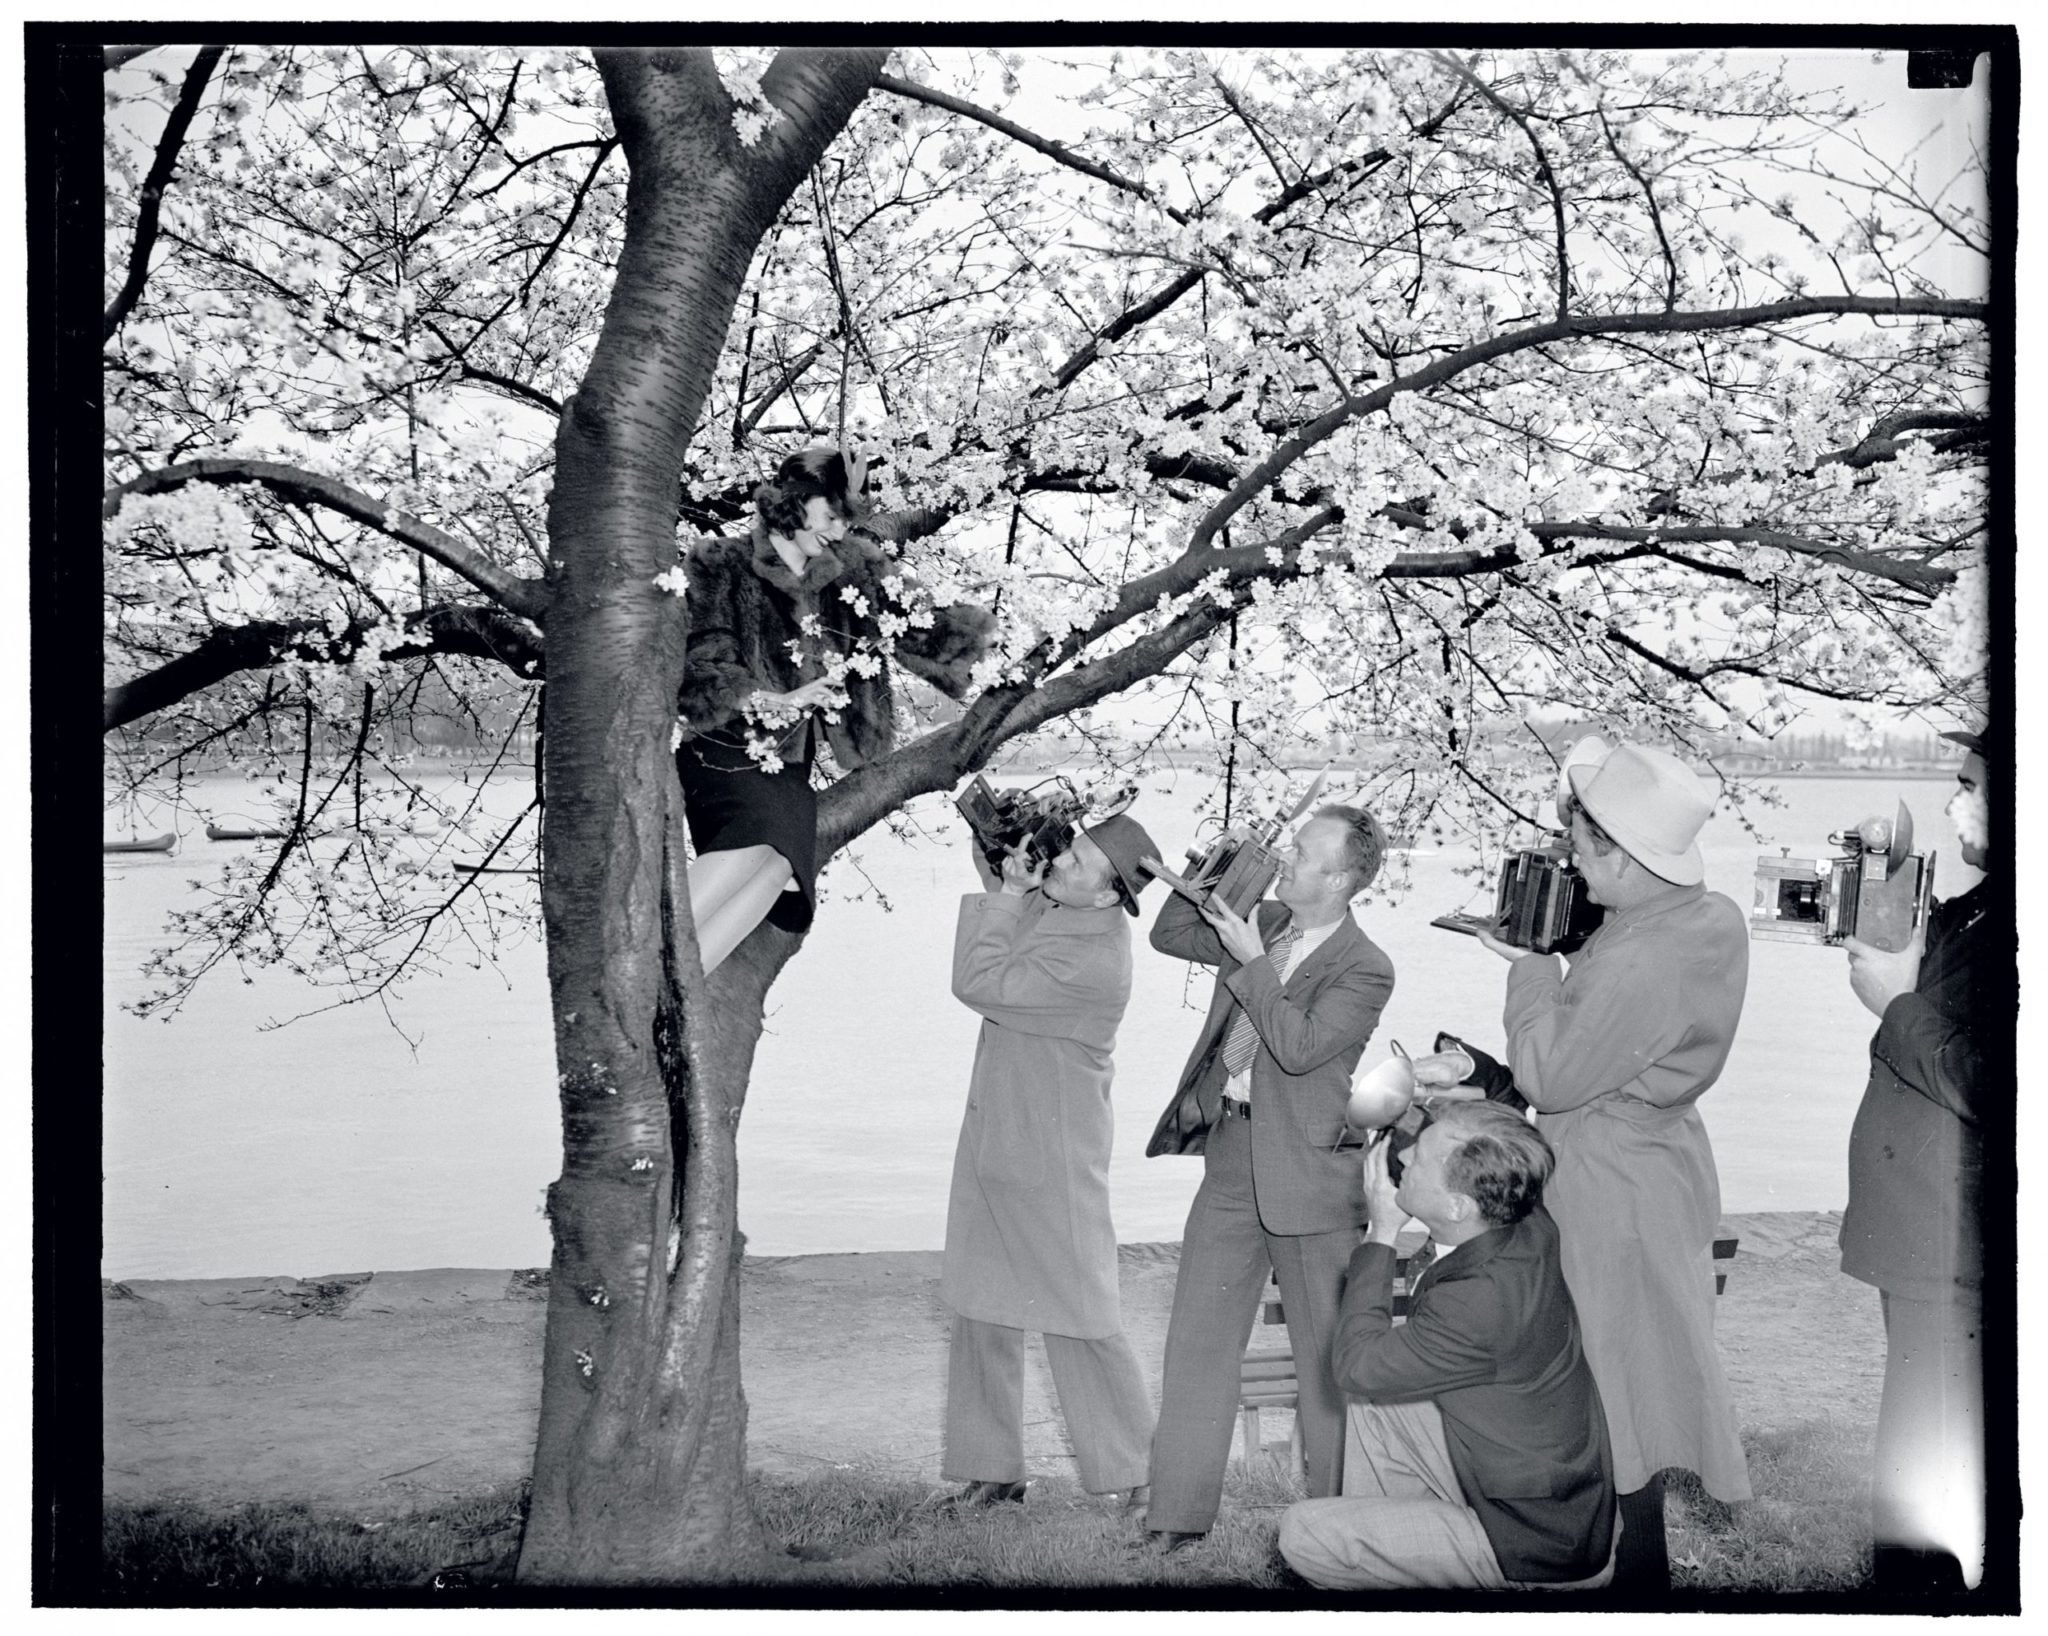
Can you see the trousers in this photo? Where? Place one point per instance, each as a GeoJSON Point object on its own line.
{"type": "Point", "coordinates": [1102, 1398]}
{"type": "Point", "coordinates": [1402, 1522]}
{"type": "Point", "coordinates": [1927, 1488]}
{"type": "Point", "coordinates": [1225, 1256]}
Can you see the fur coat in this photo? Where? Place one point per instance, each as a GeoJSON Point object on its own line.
{"type": "Point", "coordinates": [755, 625]}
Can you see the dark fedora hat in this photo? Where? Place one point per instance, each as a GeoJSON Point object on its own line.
{"type": "Point", "coordinates": [1123, 841]}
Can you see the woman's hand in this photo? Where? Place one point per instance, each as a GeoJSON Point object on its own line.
{"type": "Point", "coordinates": [823, 693]}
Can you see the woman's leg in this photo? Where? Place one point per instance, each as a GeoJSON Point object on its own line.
{"type": "Point", "coordinates": [730, 894]}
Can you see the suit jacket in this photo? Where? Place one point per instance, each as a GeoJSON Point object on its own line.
{"type": "Point", "coordinates": [1311, 1035]}
{"type": "Point", "coordinates": [1493, 1339]}
{"type": "Point", "coordinates": [1916, 1151]}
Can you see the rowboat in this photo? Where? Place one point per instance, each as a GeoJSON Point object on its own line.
{"type": "Point", "coordinates": [152, 843]}
{"type": "Point", "coordinates": [242, 832]}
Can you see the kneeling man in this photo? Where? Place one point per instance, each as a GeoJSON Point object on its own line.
{"type": "Point", "coordinates": [1478, 1455]}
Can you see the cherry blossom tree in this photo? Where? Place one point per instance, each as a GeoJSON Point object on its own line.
{"type": "Point", "coordinates": [1273, 396]}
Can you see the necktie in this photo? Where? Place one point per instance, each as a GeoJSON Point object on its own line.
{"type": "Point", "coordinates": [1243, 1042]}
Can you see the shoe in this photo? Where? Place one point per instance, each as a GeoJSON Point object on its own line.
{"type": "Point", "coordinates": [1165, 1541]}
{"type": "Point", "coordinates": [979, 1495]}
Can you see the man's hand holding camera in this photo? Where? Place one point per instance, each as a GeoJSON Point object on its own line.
{"type": "Point", "coordinates": [1237, 934]}
{"type": "Point", "coordinates": [1018, 875]}
{"type": "Point", "coordinates": [1384, 1215]}
{"type": "Point", "coordinates": [1499, 946]}
{"type": "Point", "coordinates": [1878, 975]}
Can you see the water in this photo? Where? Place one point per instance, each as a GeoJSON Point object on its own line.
{"type": "Point", "coordinates": [334, 1145]}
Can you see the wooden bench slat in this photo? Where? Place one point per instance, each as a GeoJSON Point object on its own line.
{"type": "Point", "coordinates": [1267, 1378]}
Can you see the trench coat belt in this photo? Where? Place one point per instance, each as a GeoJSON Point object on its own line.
{"type": "Point", "coordinates": [1234, 1109]}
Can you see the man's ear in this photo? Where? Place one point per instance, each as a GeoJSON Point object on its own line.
{"type": "Point", "coordinates": [1107, 897]}
{"type": "Point", "coordinates": [1460, 1206]}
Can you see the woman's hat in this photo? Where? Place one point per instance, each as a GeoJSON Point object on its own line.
{"type": "Point", "coordinates": [1123, 841]}
{"type": "Point", "coordinates": [1652, 805]}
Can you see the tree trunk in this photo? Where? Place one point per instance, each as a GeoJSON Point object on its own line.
{"type": "Point", "coordinates": [639, 1467]}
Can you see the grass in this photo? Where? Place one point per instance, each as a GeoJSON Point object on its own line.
{"type": "Point", "coordinates": [182, 1553]}
{"type": "Point", "coordinates": [1806, 1531]}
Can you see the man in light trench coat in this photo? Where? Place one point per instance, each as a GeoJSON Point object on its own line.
{"type": "Point", "coordinates": [1045, 957]}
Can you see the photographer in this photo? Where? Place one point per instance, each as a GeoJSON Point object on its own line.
{"type": "Point", "coordinates": [1044, 955]}
{"type": "Point", "coordinates": [1913, 1226]}
{"type": "Point", "coordinates": [1478, 1455]}
{"type": "Point", "coordinates": [1299, 989]}
{"type": "Point", "coordinates": [1613, 1054]}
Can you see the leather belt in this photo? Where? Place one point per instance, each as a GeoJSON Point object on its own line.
{"type": "Point", "coordinates": [1234, 1109]}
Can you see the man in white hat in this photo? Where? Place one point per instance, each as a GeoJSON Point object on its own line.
{"type": "Point", "coordinates": [1612, 1054]}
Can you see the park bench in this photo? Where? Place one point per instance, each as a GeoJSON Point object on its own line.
{"type": "Point", "coordinates": [1266, 1379]}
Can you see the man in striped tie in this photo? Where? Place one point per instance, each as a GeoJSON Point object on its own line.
{"type": "Point", "coordinates": [1299, 990]}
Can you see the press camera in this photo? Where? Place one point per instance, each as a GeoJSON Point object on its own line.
{"type": "Point", "coordinates": [1238, 865]}
{"type": "Point", "coordinates": [1877, 889]}
{"type": "Point", "coordinates": [1540, 905]}
{"type": "Point", "coordinates": [1403, 1134]}
{"type": "Point", "coordinates": [1235, 868]}
{"type": "Point", "coordinates": [1040, 820]}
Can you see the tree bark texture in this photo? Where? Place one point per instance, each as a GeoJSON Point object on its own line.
{"type": "Point", "coordinates": [640, 1461]}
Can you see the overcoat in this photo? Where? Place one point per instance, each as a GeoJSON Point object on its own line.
{"type": "Point", "coordinates": [1029, 1241]}
{"type": "Point", "coordinates": [1916, 1151]}
{"type": "Point", "coordinates": [1613, 1056]}
{"type": "Point", "coordinates": [755, 625]}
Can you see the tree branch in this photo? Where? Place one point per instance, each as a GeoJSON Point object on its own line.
{"type": "Point", "coordinates": [526, 597]}
{"type": "Point", "coordinates": [477, 632]}
{"type": "Point", "coordinates": [1030, 139]}
{"type": "Point", "coordinates": [1583, 326]}
{"type": "Point", "coordinates": [1543, 170]}
{"type": "Point", "coordinates": [150, 203]}
{"type": "Point", "coordinates": [1131, 317]}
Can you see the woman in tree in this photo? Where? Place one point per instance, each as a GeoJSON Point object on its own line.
{"type": "Point", "coordinates": [789, 640]}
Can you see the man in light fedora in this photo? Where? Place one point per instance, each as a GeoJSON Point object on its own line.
{"type": "Point", "coordinates": [1613, 1053]}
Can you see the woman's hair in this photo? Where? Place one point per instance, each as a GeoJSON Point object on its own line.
{"type": "Point", "coordinates": [821, 472]}
{"type": "Point", "coordinates": [1501, 1161]}
{"type": "Point", "coordinates": [1365, 843]}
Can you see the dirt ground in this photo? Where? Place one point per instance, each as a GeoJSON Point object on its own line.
{"type": "Point", "coordinates": [373, 1394]}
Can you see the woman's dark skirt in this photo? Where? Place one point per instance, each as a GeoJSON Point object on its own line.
{"type": "Point", "coordinates": [730, 803]}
